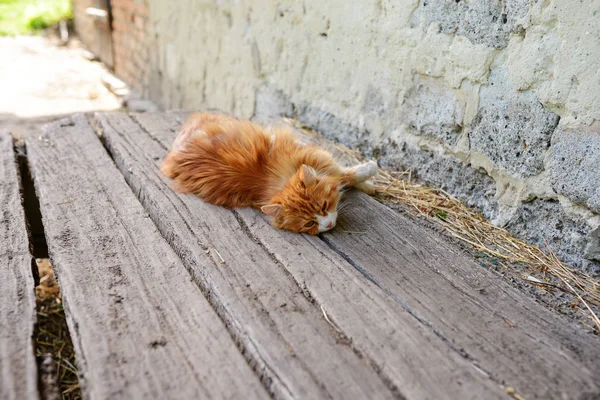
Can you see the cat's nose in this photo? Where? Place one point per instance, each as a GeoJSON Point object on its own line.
{"type": "Point", "coordinates": [330, 225]}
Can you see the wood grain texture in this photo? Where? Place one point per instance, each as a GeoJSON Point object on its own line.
{"type": "Point", "coordinates": [18, 367]}
{"type": "Point", "coordinates": [408, 355]}
{"type": "Point", "coordinates": [298, 353]}
{"type": "Point", "coordinates": [141, 328]}
{"type": "Point", "coordinates": [505, 333]}
{"type": "Point", "coordinates": [518, 342]}
{"type": "Point", "coordinates": [412, 360]}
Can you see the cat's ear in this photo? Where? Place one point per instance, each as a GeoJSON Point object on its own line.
{"type": "Point", "coordinates": [272, 210]}
{"type": "Point", "coordinates": [308, 175]}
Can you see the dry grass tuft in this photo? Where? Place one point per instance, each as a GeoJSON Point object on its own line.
{"type": "Point", "coordinates": [53, 334]}
{"type": "Point", "coordinates": [472, 228]}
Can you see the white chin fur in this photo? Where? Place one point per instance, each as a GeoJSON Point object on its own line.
{"type": "Point", "coordinates": [327, 222]}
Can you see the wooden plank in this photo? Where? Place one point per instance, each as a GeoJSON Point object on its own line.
{"type": "Point", "coordinates": [141, 328]}
{"type": "Point", "coordinates": [412, 360]}
{"type": "Point", "coordinates": [472, 309]}
{"type": "Point", "coordinates": [18, 368]}
{"type": "Point", "coordinates": [513, 338]}
{"type": "Point", "coordinates": [504, 332]}
{"type": "Point", "coordinates": [298, 353]}
{"type": "Point", "coordinates": [518, 341]}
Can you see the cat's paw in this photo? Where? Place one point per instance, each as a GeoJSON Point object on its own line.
{"type": "Point", "coordinates": [366, 187]}
{"type": "Point", "coordinates": [366, 171]}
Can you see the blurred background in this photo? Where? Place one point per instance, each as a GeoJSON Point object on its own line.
{"type": "Point", "coordinates": [45, 70]}
{"type": "Point", "coordinates": [20, 17]}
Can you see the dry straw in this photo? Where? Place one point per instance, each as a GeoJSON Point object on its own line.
{"type": "Point", "coordinates": [53, 335]}
{"type": "Point", "coordinates": [472, 228]}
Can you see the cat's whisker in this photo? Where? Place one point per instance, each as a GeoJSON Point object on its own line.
{"type": "Point", "coordinates": [346, 209]}
{"type": "Point", "coordinates": [343, 206]}
{"type": "Point", "coordinates": [331, 169]}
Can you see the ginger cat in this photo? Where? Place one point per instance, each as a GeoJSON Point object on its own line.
{"type": "Point", "coordinates": [237, 163]}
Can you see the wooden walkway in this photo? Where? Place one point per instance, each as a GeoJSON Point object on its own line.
{"type": "Point", "coordinates": [167, 297]}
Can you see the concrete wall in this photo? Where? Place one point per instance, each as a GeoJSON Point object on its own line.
{"type": "Point", "coordinates": [496, 101]}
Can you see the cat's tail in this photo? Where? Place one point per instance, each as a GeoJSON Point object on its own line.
{"type": "Point", "coordinates": [170, 168]}
{"type": "Point", "coordinates": [193, 129]}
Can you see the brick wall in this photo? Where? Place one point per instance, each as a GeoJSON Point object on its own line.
{"type": "Point", "coordinates": [130, 18]}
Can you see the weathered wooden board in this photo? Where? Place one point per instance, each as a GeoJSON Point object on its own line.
{"type": "Point", "coordinates": [412, 360]}
{"type": "Point", "coordinates": [501, 330]}
{"type": "Point", "coordinates": [506, 332]}
{"type": "Point", "coordinates": [511, 337]}
{"type": "Point", "coordinates": [518, 342]}
{"type": "Point", "coordinates": [296, 351]}
{"type": "Point", "coordinates": [140, 326]}
{"type": "Point", "coordinates": [18, 368]}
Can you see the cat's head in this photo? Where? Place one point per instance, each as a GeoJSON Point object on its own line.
{"type": "Point", "coordinates": [307, 204]}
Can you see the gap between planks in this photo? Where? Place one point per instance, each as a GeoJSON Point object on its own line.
{"type": "Point", "coordinates": [50, 319]}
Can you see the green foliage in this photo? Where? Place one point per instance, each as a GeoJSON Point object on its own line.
{"type": "Point", "coordinates": [19, 17]}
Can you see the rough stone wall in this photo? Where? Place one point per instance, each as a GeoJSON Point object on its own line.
{"type": "Point", "coordinates": [130, 41]}
{"type": "Point", "coordinates": [497, 101]}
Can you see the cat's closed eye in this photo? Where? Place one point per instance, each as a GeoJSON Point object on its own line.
{"type": "Point", "coordinates": [325, 207]}
{"type": "Point", "coordinates": [309, 224]}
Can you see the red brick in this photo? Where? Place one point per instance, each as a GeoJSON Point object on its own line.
{"type": "Point", "coordinates": [142, 10]}
{"type": "Point", "coordinates": [126, 5]}
{"type": "Point", "coordinates": [139, 22]}
{"type": "Point", "coordinates": [119, 26]}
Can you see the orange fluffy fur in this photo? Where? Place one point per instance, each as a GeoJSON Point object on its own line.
{"type": "Point", "coordinates": [237, 163]}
